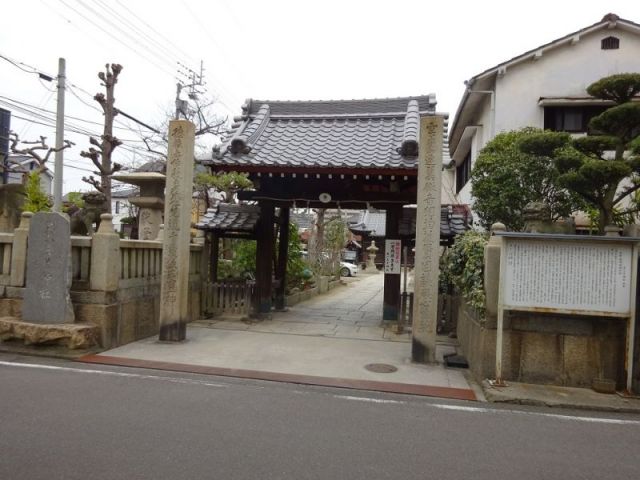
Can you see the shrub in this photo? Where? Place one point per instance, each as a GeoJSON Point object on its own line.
{"type": "Point", "coordinates": [463, 266]}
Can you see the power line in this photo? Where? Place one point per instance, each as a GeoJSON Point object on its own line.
{"type": "Point", "coordinates": [126, 31]}
{"type": "Point", "coordinates": [10, 101]}
{"type": "Point", "coordinates": [32, 69]}
{"type": "Point", "coordinates": [126, 45]}
{"type": "Point", "coordinates": [86, 133]}
{"type": "Point", "coordinates": [163, 45]}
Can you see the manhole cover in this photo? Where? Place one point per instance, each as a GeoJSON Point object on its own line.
{"type": "Point", "coordinates": [381, 368]}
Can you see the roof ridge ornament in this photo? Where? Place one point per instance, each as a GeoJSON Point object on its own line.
{"type": "Point", "coordinates": [409, 145]}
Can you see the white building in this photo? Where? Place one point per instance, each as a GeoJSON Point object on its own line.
{"type": "Point", "coordinates": [20, 166]}
{"type": "Point", "coordinates": [544, 87]}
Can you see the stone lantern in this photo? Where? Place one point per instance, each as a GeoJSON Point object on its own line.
{"type": "Point", "coordinates": [371, 261]}
{"type": "Point", "coordinates": [150, 201]}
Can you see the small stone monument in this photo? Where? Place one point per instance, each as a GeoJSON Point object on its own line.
{"type": "Point", "coordinates": [46, 297]}
{"type": "Point", "coordinates": [371, 260]}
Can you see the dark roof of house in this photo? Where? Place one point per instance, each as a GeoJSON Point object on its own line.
{"type": "Point", "coordinates": [610, 20]}
{"type": "Point", "coordinates": [156, 166]}
{"type": "Point", "coordinates": [454, 220]}
{"type": "Point", "coordinates": [228, 218]}
{"type": "Point", "coordinates": [341, 134]}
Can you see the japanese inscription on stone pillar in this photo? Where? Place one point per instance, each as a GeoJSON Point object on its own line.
{"type": "Point", "coordinates": [425, 305]}
{"type": "Point", "coordinates": [177, 223]}
{"type": "Point", "coordinates": [48, 280]}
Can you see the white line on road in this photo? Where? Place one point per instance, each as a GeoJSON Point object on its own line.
{"type": "Point", "coordinates": [367, 399]}
{"type": "Point", "coordinates": [114, 374]}
{"type": "Point", "coordinates": [459, 408]}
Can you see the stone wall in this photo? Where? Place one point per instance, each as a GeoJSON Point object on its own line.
{"type": "Point", "coordinates": [115, 283]}
{"type": "Point", "coordinates": [545, 349]}
{"type": "Point", "coordinates": [304, 295]}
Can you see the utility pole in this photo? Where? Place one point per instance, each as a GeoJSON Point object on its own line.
{"type": "Point", "coordinates": [57, 178]}
{"type": "Point", "coordinates": [180, 104]}
{"type": "Point", "coordinates": [195, 80]}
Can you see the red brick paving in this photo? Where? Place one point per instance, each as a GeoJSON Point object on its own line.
{"type": "Point", "coordinates": [377, 386]}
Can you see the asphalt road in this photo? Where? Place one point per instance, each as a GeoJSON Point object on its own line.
{"type": "Point", "coordinates": [63, 420]}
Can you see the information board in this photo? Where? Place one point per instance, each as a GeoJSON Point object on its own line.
{"type": "Point", "coordinates": [392, 256]}
{"type": "Point", "coordinates": [567, 276]}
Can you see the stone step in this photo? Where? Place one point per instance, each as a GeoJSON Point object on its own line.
{"type": "Point", "coordinates": [72, 335]}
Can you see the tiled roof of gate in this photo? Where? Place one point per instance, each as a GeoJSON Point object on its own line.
{"type": "Point", "coordinates": [353, 134]}
{"type": "Point", "coordinates": [230, 218]}
{"type": "Point", "coordinates": [454, 220]}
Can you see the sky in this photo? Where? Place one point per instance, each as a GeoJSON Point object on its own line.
{"type": "Point", "coordinates": [268, 49]}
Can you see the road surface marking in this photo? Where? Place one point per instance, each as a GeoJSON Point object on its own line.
{"type": "Point", "coordinates": [114, 374]}
{"type": "Point", "coordinates": [366, 399]}
{"type": "Point", "coordinates": [614, 421]}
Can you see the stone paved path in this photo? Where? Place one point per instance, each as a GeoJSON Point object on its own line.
{"type": "Point", "coordinates": [353, 310]}
{"type": "Point", "coordinates": [328, 340]}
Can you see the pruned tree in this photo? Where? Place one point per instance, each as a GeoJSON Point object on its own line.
{"type": "Point", "coordinates": [36, 149]}
{"type": "Point", "coordinates": [504, 180]}
{"type": "Point", "coordinates": [102, 150]}
{"type": "Point", "coordinates": [603, 169]}
{"type": "Point", "coordinates": [225, 184]}
{"type": "Point", "coordinates": [327, 241]}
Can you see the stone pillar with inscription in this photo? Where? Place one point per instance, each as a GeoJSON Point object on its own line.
{"type": "Point", "coordinates": [174, 290]}
{"type": "Point", "coordinates": [48, 280]}
{"type": "Point", "coordinates": [425, 307]}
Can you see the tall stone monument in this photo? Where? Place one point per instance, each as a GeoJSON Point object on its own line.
{"type": "Point", "coordinates": [46, 296]}
{"type": "Point", "coordinates": [425, 307]}
{"type": "Point", "coordinates": [174, 290]}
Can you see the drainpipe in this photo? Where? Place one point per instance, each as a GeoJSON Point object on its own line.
{"type": "Point", "coordinates": [492, 105]}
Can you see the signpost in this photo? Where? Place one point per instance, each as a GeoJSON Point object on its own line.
{"type": "Point", "coordinates": [392, 256]}
{"type": "Point", "coordinates": [568, 274]}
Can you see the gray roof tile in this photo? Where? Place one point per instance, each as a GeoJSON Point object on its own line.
{"type": "Point", "coordinates": [454, 220]}
{"type": "Point", "coordinates": [230, 218]}
{"type": "Point", "coordinates": [354, 134]}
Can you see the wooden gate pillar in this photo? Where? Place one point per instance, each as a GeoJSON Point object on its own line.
{"type": "Point", "coordinates": [283, 256]}
{"type": "Point", "coordinates": [391, 299]}
{"type": "Point", "coordinates": [215, 251]}
{"type": "Point", "coordinates": [264, 259]}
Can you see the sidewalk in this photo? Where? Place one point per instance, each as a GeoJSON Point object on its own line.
{"type": "Point", "coordinates": [335, 339]}
{"type": "Point", "coordinates": [564, 397]}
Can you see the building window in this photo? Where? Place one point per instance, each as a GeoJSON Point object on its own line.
{"type": "Point", "coordinates": [462, 172]}
{"type": "Point", "coordinates": [610, 43]}
{"type": "Point", "coordinates": [572, 119]}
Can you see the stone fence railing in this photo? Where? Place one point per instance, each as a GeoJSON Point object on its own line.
{"type": "Point", "coordinates": [115, 283]}
{"type": "Point", "coordinates": [6, 247]}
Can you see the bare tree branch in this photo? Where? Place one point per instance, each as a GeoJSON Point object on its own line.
{"type": "Point", "coordinates": [91, 180]}
{"type": "Point", "coordinates": [100, 156]}
{"type": "Point", "coordinates": [39, 145]}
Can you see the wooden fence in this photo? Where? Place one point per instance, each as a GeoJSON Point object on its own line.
{"type": "Point", "coordinates": [227, 298]}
